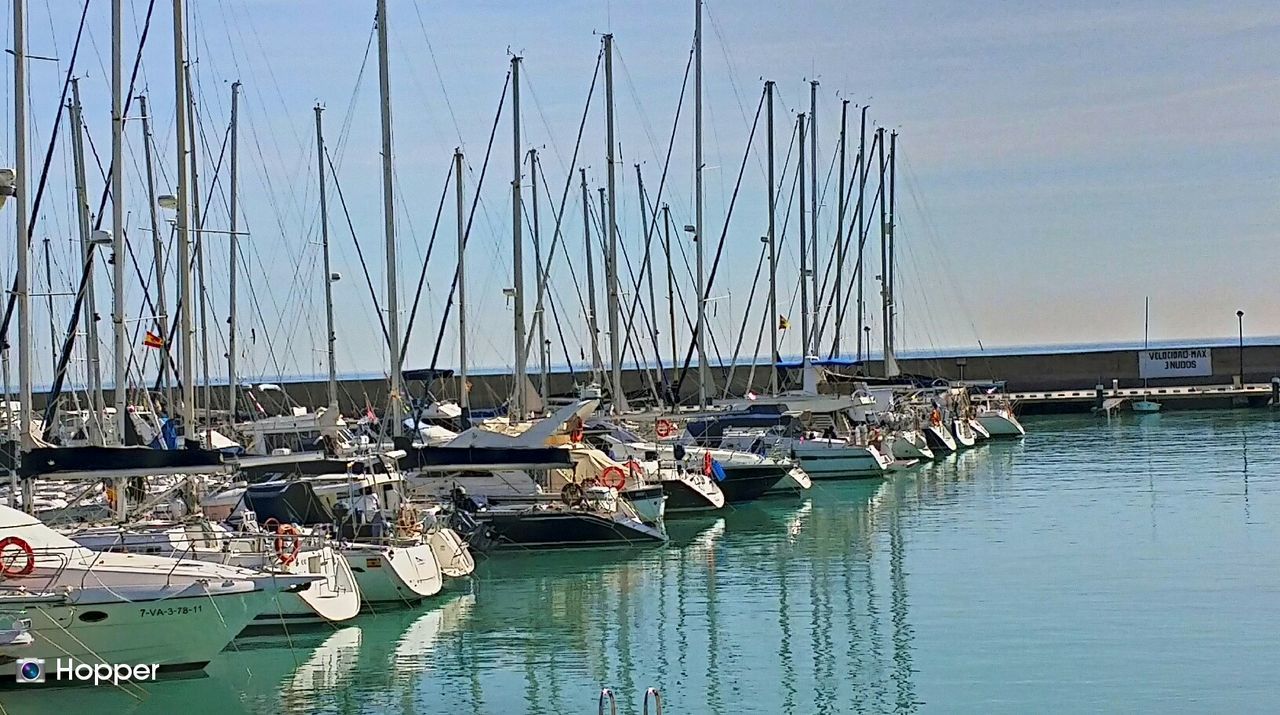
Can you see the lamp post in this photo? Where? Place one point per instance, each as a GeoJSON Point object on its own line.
{"type": "Point", "coordinates": [1240, 325]}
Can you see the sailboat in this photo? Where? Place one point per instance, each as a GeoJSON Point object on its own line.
{"type": "Point", "coordinates": [1146, 405]}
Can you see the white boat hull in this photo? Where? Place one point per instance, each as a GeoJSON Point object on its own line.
{"type": "Point", "coordinates": [829, 460]}
{"type": "Point", "coordinates": [911, 445]}
{"type": "Point", "coordinates": [394, 574]}
{"type": "Point", "coordinates": [1001, 424]}
{"type": "Point", "coordinates": [648, 501]}
{"type": "Point", "coordinates": [451, 553]}
{"type": "Point", "coordinates": [979, 432]}
{"type": "Point", "coordinates": [175, 633]}
{"type": "Point", "coordinates": [963, 433]}
{"type": "Point", "coordinates": [939, 439]}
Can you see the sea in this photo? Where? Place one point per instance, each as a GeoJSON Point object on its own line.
{"type": "Point", "coordinates": [1129, 565]}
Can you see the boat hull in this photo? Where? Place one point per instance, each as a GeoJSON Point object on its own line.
{"type": "Point", "coordinates": [939, 440]}
{"type": "Point", "coordinates": [451, 553]}
{"type": "Point", "coordinates": [979, 432]}
{"type": "Point", "coordinates": [911, 445]}
{"type": "Point", "coordinates": [394, 574]}
{"type": "Point", "coordinates": [181, 633]}
{"type": "Point", "coordinates": [684, 496]}
{"type": "Point", "coordinates": [963, 434]}
{"type": "Point", "coordinates": [1002, 425]}
{"type": "Point", "coordinates": [748, 482]}
{"type": "Point", "coordinates": [564, 530]}
{"type": "Point", "coordinates": [841, 461]}
{"type": "Point", "coordinates": [649, 501]}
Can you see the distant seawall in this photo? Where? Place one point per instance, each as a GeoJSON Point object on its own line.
{"type": "Point", "coordinates": [1068, 370]}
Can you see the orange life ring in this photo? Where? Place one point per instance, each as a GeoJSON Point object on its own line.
{"type": "Point", "coordinates": [288, 543]}
{"type": "Point", "coordinates": [619, 482]}
{"type": "Point", "coordinates": [665, 428]}
{"type": "Point", "coordinates": [6, 566]}
{"type": "Point", "coordinates": [706, 463]}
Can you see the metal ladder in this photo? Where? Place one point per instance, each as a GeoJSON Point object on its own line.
{"type": "Point", "coordinates": [607, 698]}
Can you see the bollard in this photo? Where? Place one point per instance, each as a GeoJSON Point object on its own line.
{"type": "Point", "coordinates": [1099, 397]}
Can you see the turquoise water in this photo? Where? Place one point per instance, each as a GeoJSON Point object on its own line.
{"type": "Point", "coordinates": [1093, 566]}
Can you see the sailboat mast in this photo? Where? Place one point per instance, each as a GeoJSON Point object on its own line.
{"type": "Point", "coordinates": [804, 245]}
{"type": "Point", "coordinates": [816, 338]}
{"type": "Point", "coordinates": [671, 292]}
{"type": "Point", "coordinates": [389, 227]}
{"type": "Point", "coordinates": [592, 324]}
{"type": "Point", "coordinates": [157, 257]}
{"type": "Point", "coordinates": [464, 391]}
{"type": "Point", "coordinates": [182, 219]}
{"type": "Point", "coordinates": [838, 290]}
{"type": "Point", "coordinates": [23, 279]}
{"type": "Point", "coordinates": [862, 232]}
{"type": "Point", "coordinates": [893, 308]}
{"type": "Point", "coordinates": [330, 335]}
{"type": "Point", "coordinates": [704, 379]}
{"type": "Point", "coordinates": [233, 239]}
{"type": "Point", "coordinates": [117, 221]}
{"type": "Point", "coordinates": [618, 401]}
{"type": "Point", "coordinates": [773, 251]}
{"type": "Point", "coordinates": [649, 259]}
{"type": "Point", "coordinates": [886, 300]}
{"type": "Point", "coordinates": [517, 411]}
{"type": "Point", "coordinates": [540, 284]}
{"type": "Point", "coordinates": [200, 262]}
{"type": "Point", "coordinates": [97, 403]}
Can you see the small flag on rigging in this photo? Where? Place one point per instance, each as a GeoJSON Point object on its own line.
{"type": "Point", "coordinates": [152, 340]}
{"type": "Point", "coordinates": [783, 323]}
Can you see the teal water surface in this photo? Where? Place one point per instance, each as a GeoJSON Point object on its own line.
{"type": "Point", "coordinates": [1092, 566]}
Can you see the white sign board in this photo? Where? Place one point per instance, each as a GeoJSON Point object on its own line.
{"type": "Point", "coordinates": [1175, 362]}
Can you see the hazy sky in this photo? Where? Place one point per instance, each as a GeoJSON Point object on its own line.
{"type": "Point", "coordinates": [1058, 162]}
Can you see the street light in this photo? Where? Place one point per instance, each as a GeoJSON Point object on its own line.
{"type": "Point", "coordinates": [1240, 324]}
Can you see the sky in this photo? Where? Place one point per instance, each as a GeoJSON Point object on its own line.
{"type": "Point", "coordinates": [1057, 164]}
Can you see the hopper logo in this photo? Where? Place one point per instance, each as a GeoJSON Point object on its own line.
{"type": "Point", "coordinates": [33, 670]}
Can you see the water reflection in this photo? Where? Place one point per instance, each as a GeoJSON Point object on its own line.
{"type": "Point", "coordinates": [771, 607]}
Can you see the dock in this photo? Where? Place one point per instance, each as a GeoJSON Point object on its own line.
{"type": "Point", "coordinates": [1184, 397]}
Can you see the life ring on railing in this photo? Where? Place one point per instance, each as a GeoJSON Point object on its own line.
{"type": "Point", "coordinates": [935, 418]}
{"type": "Point", "coordinates": [109, 493]}
{"type": "Point", "coordinates": [288, 543]}
{"type": "Point", "coordinates": [618, 482]}
{"type": "Point", "coordinates": [664, 428]}
{"type": "Point", "coordinates": [635, 469]}
{"type": "Point", "coordinates": [706, 463]}
{"type": "Point", "coordinates": [6, 568]}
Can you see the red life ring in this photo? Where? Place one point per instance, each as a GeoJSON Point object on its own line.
{"type": "Point", "coordinates": [288, 543]}
{"type": "Point", "coordinates": [706, 463]}
{"type": "Point", "coordinates": [634, 467]}
{"type": "Point", "coordinates": [665, 428]}
{"type": "Point", "coordinates": [619, 482]}
{"type": "Point", "coordinates": [6, 566]}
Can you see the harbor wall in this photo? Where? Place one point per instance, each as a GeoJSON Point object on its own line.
{"type": "Point", "coordinates": [1022, 372]}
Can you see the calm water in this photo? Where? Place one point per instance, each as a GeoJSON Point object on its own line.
{"type": "Point", "coordinates": [1091, 566]}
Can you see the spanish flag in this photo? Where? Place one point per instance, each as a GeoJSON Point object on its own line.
{"type": "Point", "coordinates": [152, 340]}
{"type": "Point", "coordinates": [783, 323]}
